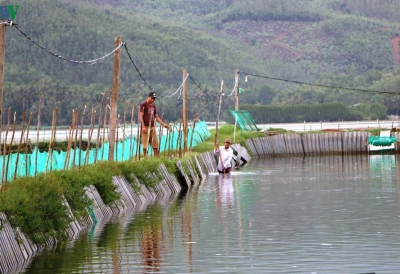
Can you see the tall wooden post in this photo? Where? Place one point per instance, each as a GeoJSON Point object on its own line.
{"type": "Point", "coordinates": [236, 90]}
{"type": "Point", "coordinates": [3, 27]}
{"type": "Point", "coordinates": [236, 101]}
{"type": "Point", "coordinates": [114, 100]}
{"type": "Point", "coordinates": [219, 110]}
{"type": "Point", "coordinates": [184, 113]}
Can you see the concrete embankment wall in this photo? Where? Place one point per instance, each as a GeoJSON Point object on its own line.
{"type": "Point", "coordinates": [17, 251]}
{"type": "Point", "coordinates": [313, 143]}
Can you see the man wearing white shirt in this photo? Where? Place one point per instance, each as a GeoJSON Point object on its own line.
{"type": "Point", "coordinates": [225, 155]}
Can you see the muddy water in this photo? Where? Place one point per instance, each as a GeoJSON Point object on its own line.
{"type": "Point", "coordinates": [276, 215]}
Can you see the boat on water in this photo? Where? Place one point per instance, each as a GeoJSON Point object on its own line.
{"type": "Point", "coordinates": [383, 142]}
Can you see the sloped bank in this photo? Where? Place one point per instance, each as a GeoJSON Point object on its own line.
{"type": "Point", "coordinates": [17, 249]}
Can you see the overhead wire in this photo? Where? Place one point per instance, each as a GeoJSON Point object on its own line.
{"type": "Point", "coordinates": [198, 86]}
{"type": "Point", "coordinates": [318, 85]}
{"type": "Point", "coordinates": [90, 62]}
{"type": "Point", "coordinates": [133, 62]}
{"type": "Point", "coordinates": [178, 90]}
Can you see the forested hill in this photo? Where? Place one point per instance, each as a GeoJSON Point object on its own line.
{"type": "Point", "coordinates": [351, 44]}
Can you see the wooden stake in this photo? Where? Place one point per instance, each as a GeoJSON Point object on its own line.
{"type": "Point", "coordinates": [3, 174]}
{"type": "Point", "coordinates": [184, 112]}
{"type": "Point", "coordinates": [20, 143]}
{"type": "Point", "coordinates": [131, 136]}
{"type": "Point", "coordinates": [194, 125]}
{"type": "Point", "coordinates": [75, 137]}
{"type": "Point", "coordinates": [80, 138]}
{"type": "Point", "coordinates": [104, 130]}
{"type": "Point", "coordinates": [103, 99]}
{"type": "Point", "coordinates": [219, 110]}
{"type": "Point", "coordinates": [10, 146]}
{"type": "Point", "coordinates": [114, 99]}
{"type": "Point", "coordinates": [27, 143]}
{"type": "Point", "coordinates": [2, 57]}
{"type": "Point", "coordinates": [37, 133]}
{"type": "Point", "coordinates": [160, 131]}
{"type": "Point", "coordinates": [90, 134]}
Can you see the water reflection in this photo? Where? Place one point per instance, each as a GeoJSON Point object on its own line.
{"type": "Point", "coordinates": [333, 214]}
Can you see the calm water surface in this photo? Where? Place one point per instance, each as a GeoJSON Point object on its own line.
{"type": "Point", "coordinates": [336, 214]}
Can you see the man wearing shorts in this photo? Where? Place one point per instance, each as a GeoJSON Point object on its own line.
{"type": "Point", "coordinates": [147, 117]}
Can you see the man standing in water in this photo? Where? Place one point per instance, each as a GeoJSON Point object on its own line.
{"type": "Point", "coordinates": [225, 155]}
{"type": "Point", "coordinates": [147, 117]}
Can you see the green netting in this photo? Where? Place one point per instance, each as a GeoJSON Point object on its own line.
{"type": "Point", "coordinates": [26, 164]}
{"type": "Point", "coordinates": [381, 141]}
{"type": "Point", "coordinates": [244, 120]}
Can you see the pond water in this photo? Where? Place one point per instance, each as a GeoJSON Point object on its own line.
{"type": "Point", "coordinates": [333, 214]}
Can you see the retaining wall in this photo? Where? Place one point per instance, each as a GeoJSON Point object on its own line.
{"type": "Point", "coordinates": [309, 144]}
{"type": "Point", "coordinates": [17, 251]}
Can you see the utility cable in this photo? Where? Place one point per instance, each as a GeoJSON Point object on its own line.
{"type": "Point", "coordinates": [90, 62]}
{"type": "Point", "coordinates": [178, 90]}
{"type": "Point", "coordinates": [198, 86]}
{"type": "Point", "coordinates": [319, 85]}
{"type": "Point", "coordinates": [133, 62]}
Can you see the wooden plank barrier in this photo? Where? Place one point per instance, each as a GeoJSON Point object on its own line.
{"type": "Point", "coordinates": [310, 144]}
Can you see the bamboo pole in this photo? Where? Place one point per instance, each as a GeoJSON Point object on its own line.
{"type": "Point", "coordinates": [123, 131]}
{"type": "Point", "coordinates": [160, 131]}
{"type": "Point", "coordinates": [10, 145]}
{"type": "Point", "coordinates": [3, 174]}
{"type": "Point", "coordinates": [219, 110]}
{"type": "Point", "coordinates": [90, 134]}
{"type": "Point", "coordinates": [131, 136]}
{"type": "Point", "coordinates": [99, 127]}
{"type": "Point", "coordinates": [27, 143]}
{"type": "Point", "coordinates": [70, 138]}
{"type": "Point", "coordinates": [80, 138]}
{"type": "Point", "coordinates": [104, 129]}
{"type": "Point", "coordinates": [75, 137]}
{"type": "Point", "coordinates": [179, 140]}
{"type": "Point", "coordinates": [37, 133]}
{"type": "Point", "coordinates": [117, 139]}
{"type": "Point", "coordinates": [138, 141]}
{"type": "Point", "coordinates": [114, 99]}
{"type": "Point", "coordinates": [53, 137]}
{"type": "Point", "coordinates": [167, 140]}
{"type": "Point", "coordinates": [194, 125]}
{"type": "Point", "coordinates": [170, 140]}
{"type": "Point", "coordinates": [236, 101]}
{"type": "Point", "coordinates": [184, 112]}
{"type": "Point", "coordinates": [20, 143]}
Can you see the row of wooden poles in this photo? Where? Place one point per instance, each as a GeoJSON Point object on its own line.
{"type": "Point", "coordinates": [97, 135]}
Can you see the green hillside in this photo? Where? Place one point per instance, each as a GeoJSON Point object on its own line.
{"type": "Point", "coordinates": [283, 43]}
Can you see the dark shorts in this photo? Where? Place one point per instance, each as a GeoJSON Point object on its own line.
{"type": "Point", "coordinates": [227, 170]}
